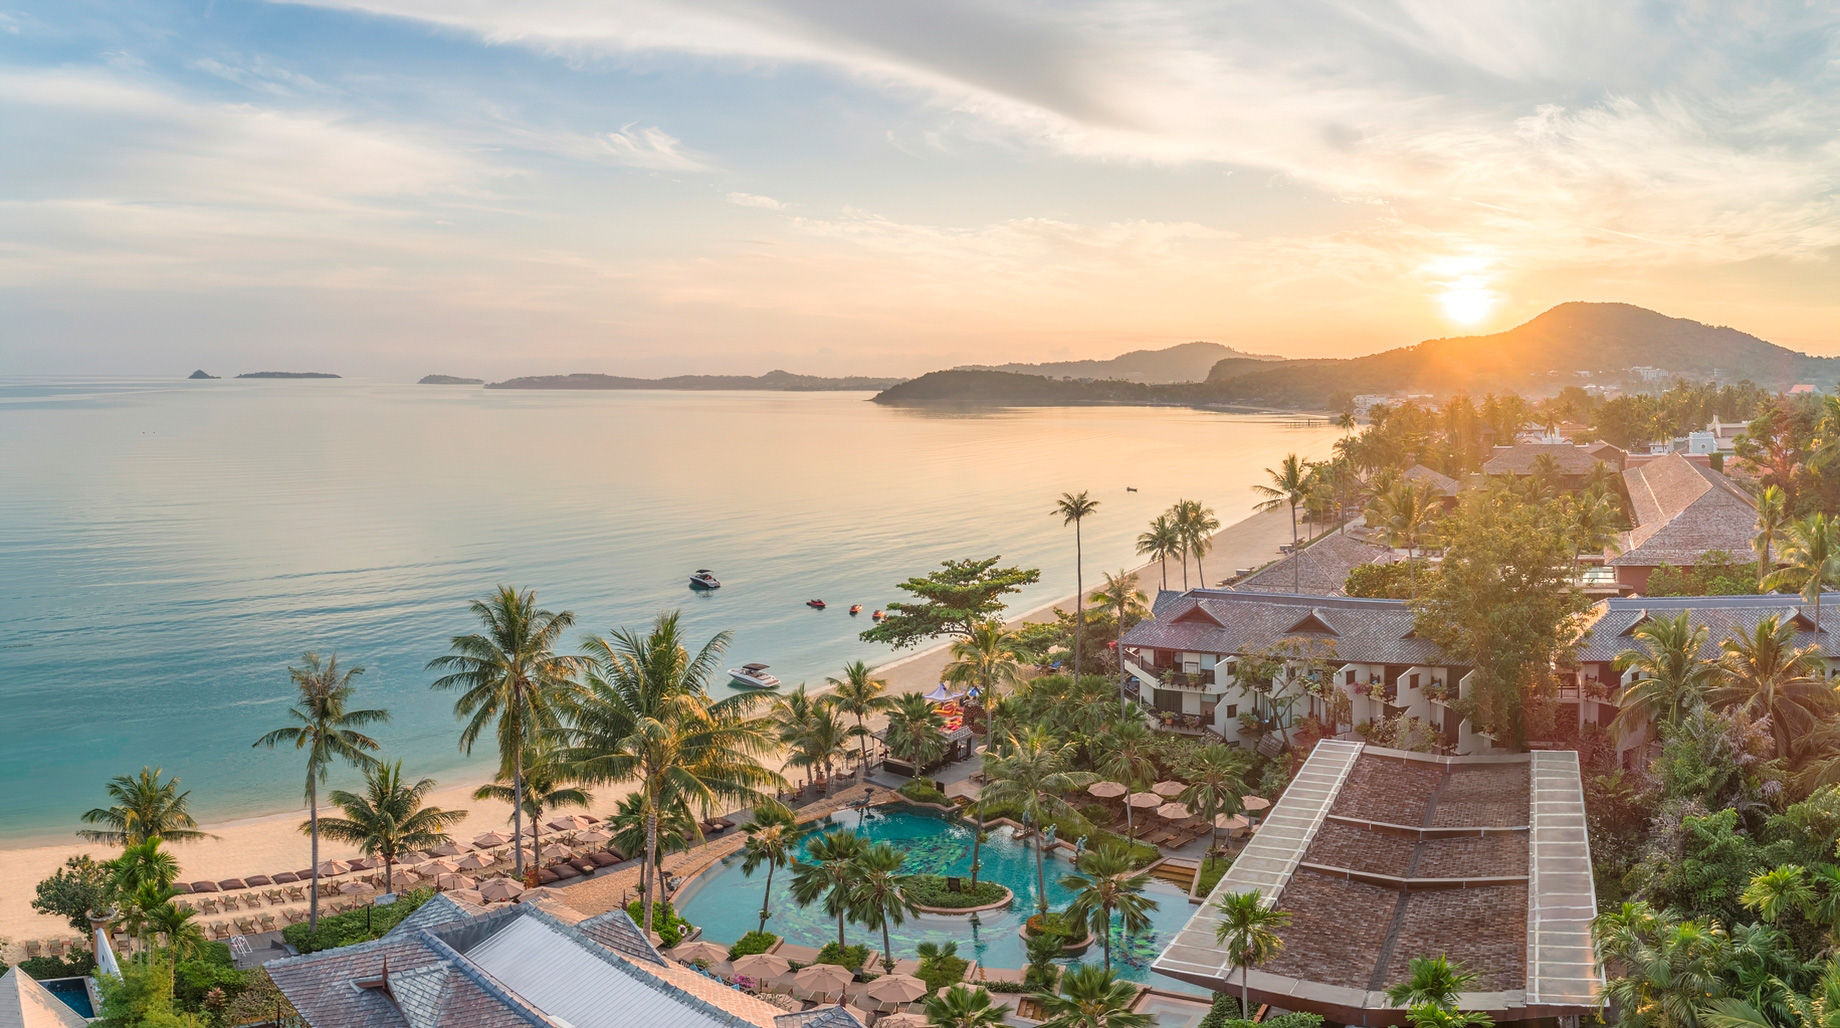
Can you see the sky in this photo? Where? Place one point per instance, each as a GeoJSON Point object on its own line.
{"type": "Point", "coordinates": [390, 188]}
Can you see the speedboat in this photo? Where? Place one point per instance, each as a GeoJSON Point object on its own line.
{"type": "Point", "coordinates": [815, 604]}
{"type": "Point", "coordinates": [704, 579]}
{"type": "Point", "coordinates": [855, 609]}
{"type": "Point", "coordinates": [752, 676]}
{"type": "Point", "coordinates": [878, 615]}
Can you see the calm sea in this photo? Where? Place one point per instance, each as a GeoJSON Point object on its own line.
{"type": "Point", "coordinates": [166, 548]}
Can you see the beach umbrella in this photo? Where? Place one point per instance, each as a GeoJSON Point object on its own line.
{"type": "Point", "coordinates": [491, 840]}
{"type": "Point", "coordinates": [820, 981]}
{"type": "Point", "coordinates": [571, 823]}
{"type": "Point", "coordinates": [1106, 790]}
{"type": "Point", "coordinates": [593, 837]}
{"type": "Point", "coordinates": [357, 889]}
{"type": "Point", "coordinates": [1255, 802]}
{"type": "Point", "coordinates": [471, 896]}
{"type": "Point", "coordinates": [784, 1002]}
{"type": "Point", "coordinates": [894, 990]}
{"type": "Point", "coordinates": [941, 694]}
{"type": "Point", "coordinates": [903, 1020]}
{"type": "Point", "coordinates": [1169, 790]}
{"type": "Point", "coordinates": [762, 966]}
{"type": "Point", "coordinates": [333, 867]}
{"type": "Point", "coordinates": [414, 857]}
{"type": "Point", "coordinates": [361, 864]}
{"type": "Point", "coordinates": [405, 880]}
{"type": "Point", "coordinates": [1231, 823]}
{"type": "Point", "coordinates": [495, 890]}
{"type": "Point", "coordinates": [1174, 812]}
{"type": "Point", "coordinates": [449, 848]}
{"type": "Point", "coordinates": [700, 952]}
{"type": "Point", "coordinates": [451, 881]}
{"type": "Point", "coordinates": [473, 862]}
{"type": "Point", "coordinates": [1141, 800]}
{"type": "Point", "coordinates": [436, 867]}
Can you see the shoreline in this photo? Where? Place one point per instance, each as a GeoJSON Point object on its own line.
{"type": "Point", "coordinates": [270, 842]}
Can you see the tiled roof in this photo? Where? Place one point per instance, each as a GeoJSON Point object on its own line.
{"type": "Point", "coordinates": [1230, 621]}
{"type": "Point", "coordinates": [1723, 616]}
{"type": "Point", "coordinates": [26, 1004]}
{"type": "Point", "coordinates": [1572, 460]}
{"type": "Point", "coordinates": [441, 910]}
{"type": "Point", "coordinates": [1319, 569]}
{"type": "Point", "coordinates": [1682, 510]}
{"type": "Point", "coordinates": [1422, 475]}
{"type": "Point", "coordinates": [617, 932]}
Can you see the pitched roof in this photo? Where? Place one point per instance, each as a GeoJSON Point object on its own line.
{"type": "Point", "coordinates": [1572, 460]}
{"type": "Point", "coordinates": [1319, 569]}
{"type": "Point", "coordinates": [1682, 510]}
{"type": "Point", "coordinates": [26, 1004]}
{"type": "Point", "coordinates": [1723, 617]}
{"type": "Point", "coordinates": [1379, 631]}
{"type": "Point", "coordinates": [1420, 474]}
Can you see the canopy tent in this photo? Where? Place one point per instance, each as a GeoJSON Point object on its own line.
{"type": "Point", "coordinates": [943, 694]}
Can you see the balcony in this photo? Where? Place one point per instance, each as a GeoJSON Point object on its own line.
{"type": "Point", "coordinates": [1200, 682]}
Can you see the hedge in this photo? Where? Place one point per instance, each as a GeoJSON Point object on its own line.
{"type": "Point", "coordinates": [1211, 871]}
{"type": "Point", "coordinates": [922, 791]}
{"type": "Point", "coordinates": [752, 943]}
{"type": "Point", "coordinates": [931, 891]}
{"type": "Point", "coordinates": [353, 926]}
{"type": "Point", "coordinates": [852, 957]}
{"type": "Point", "coordinates": [666, 921]}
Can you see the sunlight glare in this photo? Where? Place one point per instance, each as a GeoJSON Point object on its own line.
{"type": "Point", "coordinates": [1468, 300]}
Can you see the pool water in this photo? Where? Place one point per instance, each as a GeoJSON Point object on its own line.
{"type": "Point", "coordinates": [73, 991]}
{"type": "Point", "coordinates": [726, 902]}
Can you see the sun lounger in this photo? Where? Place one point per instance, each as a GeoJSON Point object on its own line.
{"type": "Point", "coordinates": [294, 915]}
{"type": "Point", "coordinates": [268, 922]}
{"type": "Point", "coordinates": [34, 948]}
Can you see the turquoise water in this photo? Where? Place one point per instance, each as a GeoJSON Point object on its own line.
{"type": "Point", "coordinates": [166, 548]}
{"type": "Point", "coordinates": [726, 902]}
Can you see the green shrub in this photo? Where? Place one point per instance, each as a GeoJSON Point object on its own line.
{"type": "Point", "coordinates": [666, 921]}
{"type": "Point", "coordinates": [354, 926]}
{"type": "Point", "coordinates": [1096, 813]}
{"type": "Point", "coordinates": [1211, 870]}
{"type": "Point", "coordinates": [931, 891]}
{"type": "Point", "coordinates": [940, 965]}
{"type": "Point", "coordinates": [922, 791]}
{"type": "Point", "coordinates": [77, 965]}
{"type": "Point", "coordinates": [1041, 978]}
{"type": "Point", "coordinates": [193, 980]}
{"type": "Point", "coordinates": [752, 943]}
{"type": "Point", "coordinates": [852, 957]}
{"type": "Point", "coordinates": [1057, 924]}
{"type": "Point", "coordinates": [1142, 853]}
{"type": "Point", "coordinates": [1224, 1010]}
{"type": "Point", "coordinates": [1294, 1019]}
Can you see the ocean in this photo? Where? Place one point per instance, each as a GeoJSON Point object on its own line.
{"type": "Point", "coordinates": [168, 548]}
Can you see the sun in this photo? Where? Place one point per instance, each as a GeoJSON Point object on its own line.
{"type": "Point", "coordinates": [1467, 301]}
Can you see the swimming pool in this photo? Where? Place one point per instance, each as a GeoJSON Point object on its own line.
{"type": "Point", "coordinates": [726, 903]}
{"type": "Point", "coordinates": [73, 991]}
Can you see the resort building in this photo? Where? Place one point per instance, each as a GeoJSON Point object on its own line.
{"type": "Point", "coordinates": [1319, 568]}
{"type": "Point", "coordinates": [1440, 483]}
{"type": "Point", "coordinates": [1683, 510]}
{"type": "Point", "coordinates": [452, 965]}
{"type": "Point", "coordinates": [1380, 856]}
{"type": "Point", "coordinates": [1574, 463]}
{"type": "Point", "coordinates": [24, 1003]}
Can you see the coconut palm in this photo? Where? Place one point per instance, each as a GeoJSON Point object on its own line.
{"type": "Point", "coordinates": [1819, 1009]}
{"type": "Point", "coordinates": [1811, 558]}
{"type": "Point", "coordinates": [769, 840]}
{"type": "Point", "coordinates": [1129, 750]}
{"type": "Point", "coordinates": [1037, 776]}
{"type": "Point", "coordinates": [143, 876]}
{"type": "Point", "coordinates": [1198, 525]}
{"type": "Point", "coordinates": [1092, 997]}
{"type": "Point", "coordinates": [1249, 929]}
{"type": "Point", "coordinates": [987, 657]}
{"type": "Point", "coordinates": [1434, 980]}
{"type": "Point", "coordinates": [1430, 1015]}
{"type": "Point", "coordinates": [1290, 485]}
{"type": "Point", "coordinates": [915, 732]}
{"type": "Point", "coordinates": [1216, 782]}
{"type": "Point", "coordinates": [546, 790]}
{"type": "Point", "coordinates": [511, 679]}
{"type": "Point", "coordinates": [859, 694]}
{"type": "Point", "coordinates": [631, 824]}
{"type": "Point", "coordinates": [1160, 543]}
{"type": "Point", "coordinates": [643, 717]}
{"type": "Point", "coordinates": [876, 900]}
{"type": "Point", "coordinates": [184, 936]}
{"type": "Point", "coordinates": [1072, 508]}
{"type": "Point", "coordinates": [1107, 883]}
{"type": "Point", "coordinates": [1403, 516]}
{"type": "Point", "coordinates": [1671, 679]}
{"type": "Point", "coordinates": [964, 1007]}
{"type": "Point", "coordinates": [1772, 517]}
{"type": "Point", "coordinates": [1672, 970]}
{"type": "Point", "coordinates": [143, 807]}
{"type": "Point", "coordinates": [328, 732]}
{"type": "Point", "coordinates": [828, 873]}
{"type": "Point", "coordinates": [1765, 674]}
{"type": "Point", "coordinates": [388, 819]}
{"type": "Point", "coordinates": [1121, 595]}
{"type": "Point", "coordinates": [1593, 519]}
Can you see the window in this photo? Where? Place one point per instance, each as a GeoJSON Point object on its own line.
{"type": "Point", "coordinates": [1350, 680]}
{"type": "Point", "coordinates": [1169, 700]}
{"type": "Point", "coordinates": [1232, 710]}
{"type": "Point", "coordinates": [1412, 683]}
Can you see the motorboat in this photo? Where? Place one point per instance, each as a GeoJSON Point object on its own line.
{"type": "Point", "coordinates": [855, 609]}
{"type": "Point", "coordinates": [752, 676]}
{"type": "Point", "coordinates": [878, 615]}
{"type": "Point", "coordinates": [815, 604]}
{"type": "Point", "coordinates": [704, 579]}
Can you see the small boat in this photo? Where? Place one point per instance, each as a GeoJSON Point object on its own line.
{"type": "Point", "coordinates": [752, 676]}
{"type": "Point", "coordinates": [855, 609]}
{"type": "Point", "coordinates": [704, 579]}
{"type": "Point", "coordinates": [878, 615]}
{"type": "Point", "coordinates": [815, 604]}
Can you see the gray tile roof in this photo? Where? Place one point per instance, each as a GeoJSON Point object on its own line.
{"type": "Point", "coordinates": [616, 931]}
{"type": "Point", "coordinates": [1723, 616]}
{"type": "Point", "coordinates": [1572, 460]}
{"type": "Point", "coordinates": [442, 909]}
{"type": "Point", "coordinates": [1229, 621]}
{"type": "Point", "coordinates": [1682, 510]}
{"type": "Point", "coordinates": [1319, 569]}
{"type": "Point", "coordinates": [1422, 475]}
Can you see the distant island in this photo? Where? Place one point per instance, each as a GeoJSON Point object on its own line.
{"type": "Point", "coordinates": [780, 381]}
{"type": "Point", "coordinates": [449, 380]}
{"type": "Point", "coordinates": [1187, 362]}
{"type": "Point", "coordinates": [286, 374]}
{"type": "Point", "coordinates": [200, 374]}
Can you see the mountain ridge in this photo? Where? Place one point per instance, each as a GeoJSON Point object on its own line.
{"type": "Point", "coordinates": [781, 381]}
{"type": "Point", "coordinates": [1184, 362]}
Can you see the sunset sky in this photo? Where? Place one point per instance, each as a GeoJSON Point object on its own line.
{"type": "Point", "coordinates": [389, 188]}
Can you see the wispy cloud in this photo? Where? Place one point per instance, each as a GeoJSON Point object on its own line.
{"type": "Point", "coordinates": [651, 148]}
{"type": "Point", "coordinates": [755, 200]}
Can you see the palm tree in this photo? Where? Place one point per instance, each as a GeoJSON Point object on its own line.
{"type": "Point", "coordinates": [1121, 594]}
{"type": "Point", "coordinates": [1772, 515]}
{"type": "Point", "coordinates": [1197, 524]}
{"type": "Point", "coordinates": [184, 938]}
{"type": "Point", "coordinates": [509, 674]}
{"type": "Point", "coordinates": [1290, 484]}
{"type": "Point", "coordinates": [876, 900]}
{"type": "Point", "coordinates": [143, 807]}
{"type": "Point", "coordinates": [1403, 516]}
{"type": "Point", "coordinates": [1092, 997]}
{"type": "Point", "coordinates": [388, 819]}
{"type": "Point", "coordinates": [1434, 980]}
{"type": "Point", "coordinates": [1672, 970]}
{"type": "Point", "coordinates": [546, 790]}
{"type": "Point", "coordinates": [810, 730]}
{"type": "Point", "coordinates": [1037, 778]}
{"type": "Point", "coordinates": [1249, 929]}
{"type": "Point", "coordinates": [915, 732]}
{"type": "Point", "coordinates": [327, 731]}
{"type": "Point", "coordinates": [987, 657]}
{"type": "Point", "coordinates": [1073, 509]}
{"type": "Point", "coordinates": [1160, 543]}
{"type": "Point", "coordinates": [1129, 749]}
{"type": "Point", "coordinates": [632, 826]}
{"type": "Point", "coordinates": [1107, 881]}
{"type": "Point", "coordinates": [1763, 673]}
{"type": "Point", "coordinates": [1812, 558]}
{"type": "Point", "coordinates": [859, 694]}
{"type": "Point", "coordinates": [644, 717]}
{"type": "Point", "coordinates": [143, 875]}
{"type": "Point", "coordinates": [1430, 1015]}
{"type": "Point", "coordinates": [1593, 520]}
{"type": "Point", "coordinates": [1216, 782]}
{"type": "Point", "coordinates": [829, 874]}
{"type": "Point", "coordinates": [770, 839]}
{"type": "Point", "coordinates": [1819, 1009]}
{"type": "Point", "coordinates": [963, 1007]}
{"type": "Point", "coordinates": [1671, 677]}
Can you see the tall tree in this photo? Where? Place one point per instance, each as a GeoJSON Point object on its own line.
{"type": "Point", "coordinates": [328, 731]}
{"type": "Point", "coordinates": [1290, 485]}
{"type": "Point", "coordinates": [1593, 519]}
{"type": "Point", "coordinates": [644, 717]}
{"type": "Point", "coordinates": [876, 900]}
{"type": "Point", "coordinates": [1404, 516]}
{"type": "Point", "coordinates": [1107, 882]}
{"type": "Point", "coordinates": [1772, 517]}
{"type": "Point", "coordinates": [547, 789]}
{"type": "Point", "coordinates": [1092, 997]}
{"type": "Point", "coordinates": [961, 594]}
{"type": "Point", "coordinates": [143, 807]}
{"type": "Point", "coordinates": [510, 678]}
{"type": "Point", "coordinates": [962, 1006]}
{"type": "Point", "coordinates": [1216, 783]}
{"type": "Point", "coordinates": [1434, 980]}
{"type": "Point", "coordinates": [858, 694]}
{"type": "Point", "coordinates": [1811, 558]}
{"type": "Point", "coordinates": [915, 732]}
{"type": "Point", "coordinates": [1764, 673]}
{"type": "Point", "coordinates": [1037, 777]}
{"type": "Point", "coordinates": [1671, 676]}
{"type": "Point", "coordinates": [770, 839]}
{"type": "Point", "coordinates": [1128, 754]}
{"type": "Point", "coordinates": [828, 873]}
{"type": "Point", "coordinates": [1072, 509]}
{"type": "Point", "coordinates": [988, 657]}
{"type": "Point", "coordinates": [1126, 603]}
{"type": "Point", "coordinates": [1161, 542]}
{"type": "Point", "coordinates": [388, 819]}
{"type": "Point", "coordinates": [812, 732]}
{"type": "Point", "coordinates": [1197, 524]}
{"type": "Point", "coordinates": [1249, 929]}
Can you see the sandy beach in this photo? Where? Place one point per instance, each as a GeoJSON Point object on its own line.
{"type": "Point", "coordinates": [273, 842]}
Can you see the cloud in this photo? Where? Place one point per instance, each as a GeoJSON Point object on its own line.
{"type": "Point", "coordinates": [651, 148]}
{"type": "Point", "coordinates": [755, 200]}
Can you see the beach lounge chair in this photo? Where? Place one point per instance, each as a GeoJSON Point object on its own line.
{"type": "Point", "coordinates": [268, 922]}
{"type": "Point", "coordinates": [34, 948]}
{"type": "Point", "coordinates": [297, 893]}
{"type": "Point", "coordinates": [274, 897]}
